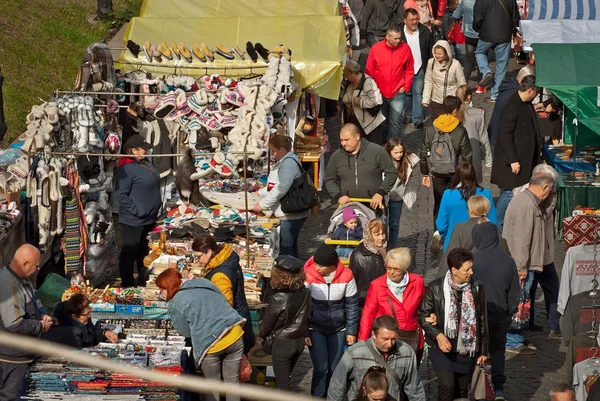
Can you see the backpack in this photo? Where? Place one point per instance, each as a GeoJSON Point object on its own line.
{"type": "Point", "coordinates": [441, 155]}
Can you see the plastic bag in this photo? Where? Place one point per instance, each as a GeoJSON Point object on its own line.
{"type": "Point", "coordinates": [455, 34]}
{"type": "Point", "coordinates": [245, 369]}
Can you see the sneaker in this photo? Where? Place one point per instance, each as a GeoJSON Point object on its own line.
{"type": "Point", "coordinates": [554, 334]}
{"type": "Point", "coordinates": [521, 350]}
{"type": "Point", "coordinates": [499, 395]}
{"type": "Point", "coordinates": [480, 89]}
{"type": "Point", "coordinates": [530, 345]}
{"type": "Point", "coordinates": [486, 80]}
{"type": "Point", "coordinates": [492, 100]}
{"type": "Point", "coordinates": [436, 243]}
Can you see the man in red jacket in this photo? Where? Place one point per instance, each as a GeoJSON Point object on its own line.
{"type": "Point", "coordinates": [391, 65]}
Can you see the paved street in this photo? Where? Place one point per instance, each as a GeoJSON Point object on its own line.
{"type": "Point", "coordinates": [529, 377]}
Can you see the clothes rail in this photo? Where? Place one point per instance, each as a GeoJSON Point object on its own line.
{"type": "Point", "coordinates": [149, 155]}
{"type": "Point", "coordinates": [193, 67]}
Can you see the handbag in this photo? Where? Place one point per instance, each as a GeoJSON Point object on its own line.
{"type": "Point", "coordinates": [267, 345]}
{"type": "Point", "coordinates": [301, 196]}
{"type": "Point", "coordinates": [520, 319]}
{"type": "Point", "coordinates": [410, 337]}
{"type": "Point", "coordinates": [481, 387]}
{"type": "Point", "coordinates": [245, 369]}
{"type": "Point", "coordinates": [373, 111]}
{"type": "Point", "coordinates": [455, 34]}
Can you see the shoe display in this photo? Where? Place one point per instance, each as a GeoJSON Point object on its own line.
{"type": "Point", "coordinates": [521, 350]}
{"type": "Point", "coordinates": [134, 48]}
{"type": "Point", "coordinates": [185, 53]}
{"type": "Point", "coordinates": [262, 52]}
{"type": "Point", "coordinates": [225, 52]}
{"type": "Point", "coordinates": [165, 51]}
{"type": "Point", "coordinates": [251, 52]}
{"type": "Point", "coordinates": [207, 52]}
{"type": "Point", "coordinates": [175, 51]}
{"type": "Point", "coordinates": [148, 51]}
{"type": "Point", "coordinates": [239, 52]}
{"type": "Point", "coordinates": [198, 53]}
{"type": "Point", "coordinates": [486, 80]}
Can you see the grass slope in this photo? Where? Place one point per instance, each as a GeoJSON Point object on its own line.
{"type": "Point", "coordinates": [42, 42]}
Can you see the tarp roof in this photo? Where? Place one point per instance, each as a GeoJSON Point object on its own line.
{"type": "Point", "coordinates": [318, 44]}
{"type": "Point", "coordinates": [562, 9]}
{"type": "Point", "coordinates": [237, 8]}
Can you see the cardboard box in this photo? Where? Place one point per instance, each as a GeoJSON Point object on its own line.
{"type": "Point", "coordinates": [130, 309]}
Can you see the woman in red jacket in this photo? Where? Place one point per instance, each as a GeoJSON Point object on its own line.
{"type": "Point", "coordinates": [399, 294]}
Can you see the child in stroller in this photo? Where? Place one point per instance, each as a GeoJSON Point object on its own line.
{"type": "Point", "coordinates": [346, 228]}
{"type": "Point", "coordinates": [349, 229]}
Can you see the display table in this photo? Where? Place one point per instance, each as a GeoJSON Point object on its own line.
{"type": "Point", "coordinates": [12, 241]}
{"type": "Point", "coordinates": [585, 195]}
{"type": "Point", "coordinates": [564, 166]}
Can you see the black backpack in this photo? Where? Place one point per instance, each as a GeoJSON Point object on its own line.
{"type": "Point", "coordinates": [302, 195]}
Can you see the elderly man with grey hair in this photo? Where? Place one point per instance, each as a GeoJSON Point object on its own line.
{"type": "Point", "coordinates": [525, 234]}
{"type": "Point", "coordinates": [362, 104]}
{"type": "Point", "coordinates": [563, 392]}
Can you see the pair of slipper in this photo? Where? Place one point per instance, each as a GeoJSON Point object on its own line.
{"type": "Point", "coordinates": [256, 51]}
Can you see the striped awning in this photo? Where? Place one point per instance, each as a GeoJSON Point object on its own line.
{"type": "Point", "coordinates": [562, 9]}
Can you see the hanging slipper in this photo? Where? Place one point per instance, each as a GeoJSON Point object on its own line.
{"type": "Point", "coordinates": [197, 101]}
{"type": "Point", "coordinates": [166, 105]}
{"type": "Point", "coordinates": [175, 51]}
{"type": "Point", "coordinates": [218, 164]}
{"type": "Point", "coordinates": [155, 53]}
{"type": "Point", "coordinates": [207, 52]}
{"type": "Point", "coordinates": [262, 52]}
{"type": "Point", "coordinates": [165, 51]}
{"type": "Point", "coordinates": [54, 197]}
{"type": "Point", "coordinates": [225, 52]}
{"type": "Point", "coordinates": [251, 52]}
{"type": "Point", "coordinates": [185, 53]}
{"type": "Point", "coordinates": [134, 48]}
{"type": "Point", "coordinates": [182, 108]}
{"type": "Point", "coordinates": [37, 113]}
{"type": "Point", "coordinates": [239, 52]}
{"type": "Point", "coordinates": [148, 51]}
{"type": "Point", "coordinates": [198, 53]}
{"type": "Point", "coordinates": [44, 212]}
{"type": "Point", "coordinates": [231, 163]}
{"type": "Point", "coordinates": [203, 168]}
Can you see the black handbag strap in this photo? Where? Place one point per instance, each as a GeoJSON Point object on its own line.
{"type": "Point", "coordinates": [383, 363]}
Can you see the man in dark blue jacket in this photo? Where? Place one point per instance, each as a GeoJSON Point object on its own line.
{"type": "Point", "coordinates": [498, 273]}
{"type": "Point", "coordinates": [507, 88]}
{"type": "Point", "coordinates": [137, 189]}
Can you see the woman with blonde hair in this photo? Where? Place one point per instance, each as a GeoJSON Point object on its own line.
{"type": "Point", "coordinates": [473, 119]}
{"type": "Point", "coordinates": [367, 260]}
{"type": "Point", "coordinates": [398, 294]}
{"type": "Point", "coordinates": [479, 208]}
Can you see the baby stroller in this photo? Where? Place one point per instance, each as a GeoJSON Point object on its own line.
{"type": "Point", "coordinates": [364, 214]}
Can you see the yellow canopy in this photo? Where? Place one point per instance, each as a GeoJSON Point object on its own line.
{"type": "Point", "coordinates": [238, 8]}
{"type": "Point", "coordinates": [318, 44]}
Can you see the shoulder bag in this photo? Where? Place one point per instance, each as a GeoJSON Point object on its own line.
{"type": "Point", "coordinates": [379, 359]}
{"type": "Point", "coordinates": [373, 111]}
{"type": "Point", "coordinates": [267, 345]}
{"type": "Point", "coordinates": [302, 195]}
{"type": "Point", "coordinates": [410, 337]}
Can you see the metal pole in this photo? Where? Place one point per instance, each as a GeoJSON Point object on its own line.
{"type": "Point", "coordinates": [575, 122]}
{"type": "Point", "coordinates": [248, 265]}
{"type": "Point", "coordinates": [193, 67]}
{"type": "Point", "coordinates": [128, 155]}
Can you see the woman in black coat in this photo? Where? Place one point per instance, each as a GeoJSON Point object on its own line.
{"type": "Point", "coordinates": [454, 318]}
{"type": "Point", "coordinates": [285, 323]}
{"type": "Point", "coordinates": [518, 149]}
{"type": "Point", "coordinates": [367, 261]}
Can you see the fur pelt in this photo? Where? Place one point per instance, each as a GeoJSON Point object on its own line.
{"type": "Point", "coordinates": [187, 188]}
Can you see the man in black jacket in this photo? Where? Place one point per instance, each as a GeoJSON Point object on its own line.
{"type": "Point", "coordinates": [495, 21]}
{"type": "Point", "coordinates": [518, 150]}
{"type": "Point", "coordinates": [377, 17]}
{"type": "Point", "coordinates": [420, 41]}
{"type": "Point", "coordinates": [498, 273]}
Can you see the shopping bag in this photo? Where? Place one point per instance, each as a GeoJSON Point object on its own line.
{"type": "Point", "coordinates": [245, 369]}
{"type": "Point", "coordinates": [455, 34]}
{"type": "Point", "coordinates": [481, 387]}
{"type": "Point", "coordinates": [520, 319]}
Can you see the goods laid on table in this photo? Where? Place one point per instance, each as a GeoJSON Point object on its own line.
{"type": "Point", "coordinates": [583, 227]}
{"type": "Point", "coordinates": [587, 164]}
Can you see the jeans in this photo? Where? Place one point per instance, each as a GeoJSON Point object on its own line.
{"type": "Point", "coordinates": [470, 46]}
{"type": "Point", "coordinates": [134, 250]}
{"type": "Point", "coordinates": [224, 365]}
{"type": "Point", "coordinates": [548, 279]}
{"type": "Point", "coordinates": [502, 51]}
{"type": "Point", "coordinates": [325, 353]}
{"type": "Point", "coordinates": [516, 338]}
{"type": "Point", "coordinates": [498, 331]}
{"type": "Point", "coordinates": [392, 110]}
{"type": "Point", "coordinates": [452, 385]}
{"type": "Point", "coordinates": [285, 355]}
{"type": "Point", "coordinates": [289, 230]}
{"type": "Point", "coordinates": [501, 206]}
{"type": "Point", "coordinates": [440, 184]}
{"type": "Point", "coordinates": [413, 108]}
{"type": "Point", "coordinates": [11, 376]}
{"type": "Point", "coordinates": [372, 39]}
{"type": "Point", "coordinates": [394, 213]}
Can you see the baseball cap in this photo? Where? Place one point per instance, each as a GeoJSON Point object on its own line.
{"type": "Point", "coordinates": [136, 141]}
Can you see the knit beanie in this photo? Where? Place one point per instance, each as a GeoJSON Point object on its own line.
{"type": "Point", "coordinates": [349, 214]}
{"type": "Point", "coordinates": [326, 255]}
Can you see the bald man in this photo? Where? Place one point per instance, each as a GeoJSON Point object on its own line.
{"type": "Point", "coordinates": [20, 313]}
{"type": "Point", "coordinates": [360, 169]}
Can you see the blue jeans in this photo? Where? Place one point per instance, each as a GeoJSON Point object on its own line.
{"type": "Point", "coordinates": [325, 352]}
{"type": "Point", "coordinates": [394, 213]}
{"type": "Point", "coordinates": [502, 205]}
{"type": "Point", "coordinates": [548, 279]}
{"type": "Point", "coordinates": [392, 110]}
{"type": "Point", "coordinates": [502, 51]}
{"type": "Point", "coordinates": [289, 230]}
{"type": "Point", "coordinates": [516, 338]}
{"type": "Point", "coordinates": [413, 109]}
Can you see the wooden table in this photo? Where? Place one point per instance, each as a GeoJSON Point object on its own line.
{"type": "Point", "coordinates": [315, 159]}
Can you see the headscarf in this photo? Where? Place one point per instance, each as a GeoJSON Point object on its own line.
{"type": "Point", "coordinates": [466, 329]}
{"type": "Point", "coordinates": [369, 242]}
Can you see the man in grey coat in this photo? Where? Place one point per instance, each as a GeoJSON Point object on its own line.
{"type": "Point", "coordinates": [382, 346]}
{"type": "Point", "coordinates": [20, 313]}
{"type": "Point", "coordinates": [525, 235]}
{"type": "Point", "coordinates": [357, 170]}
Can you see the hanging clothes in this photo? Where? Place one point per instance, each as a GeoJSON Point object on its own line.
{"type": "Point", "coordinates": [75, 239]}
{"type": "Point", "coordinates": [579, 268]}
{"type": "Point", "coordinates": [578, 315]}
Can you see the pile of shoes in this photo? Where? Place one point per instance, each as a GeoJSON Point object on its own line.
{"type": "Point", "coordinates": [81, 127]}
{"type": "Point", "coordinates": [174, 52]}
{"type": "Point", "coordinates": [41, 122]}
{"type": "Point", "coordinates": [17, 176]}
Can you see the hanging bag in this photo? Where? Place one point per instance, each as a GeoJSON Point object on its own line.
{"type": "Point", "coordinates": [481, 386]}
{"type": "Point", "coordinates": [373, 111]}
{"type": "Point", "coordinates": [302, 195]}
{"type": "Point", "coordinates": [520, 319]}
{"type": "Point", "coordinates": [455, 34]}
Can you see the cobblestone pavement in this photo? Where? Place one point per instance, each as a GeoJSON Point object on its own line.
{"type": "Point", "coordinates": [528, 377]}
